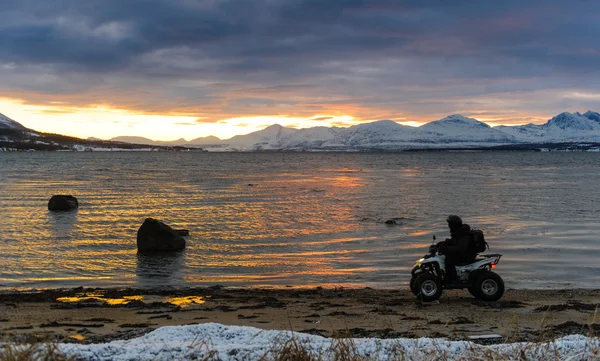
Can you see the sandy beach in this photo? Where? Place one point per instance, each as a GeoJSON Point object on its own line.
{"type": "Point", "coordinates": [92, 315]}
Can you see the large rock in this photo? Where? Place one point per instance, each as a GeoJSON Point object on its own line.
{"type": "Point", "coordinates": [61, 202]}
{"type": "Point", "coordinates": [155, 236]}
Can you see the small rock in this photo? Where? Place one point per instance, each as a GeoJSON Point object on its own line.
{"type": "Point", "coordinates": [394, 221]}
{"type": "Point", "coordinates": [61, 203]}
{"type": "Point", "coordinates": [137, 325]}
{"type": "Point", "coordinates": [183, 232]}
{"type": "Point", "coordinates": [460, 320]}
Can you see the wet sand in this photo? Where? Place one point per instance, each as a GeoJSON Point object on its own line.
{"type": "Point", "coordinates": [93, 315]}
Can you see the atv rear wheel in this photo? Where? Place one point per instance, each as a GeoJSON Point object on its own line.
{"type": "Point", "coordinates": [428, 287]}
{"type": "Point", "coordinates": [488, 286]}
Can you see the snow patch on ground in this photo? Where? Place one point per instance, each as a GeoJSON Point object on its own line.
{"type": "Point", "coordinates": [248, 343]}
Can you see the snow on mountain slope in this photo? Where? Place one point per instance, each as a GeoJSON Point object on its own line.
{"type": "Point", "coordinates": [523, 133]}
{"type": "Point", "coordinates": [452, 131]}
{"type": "Point", "coordinates": [458, 128]}
{"type": "Point", "coordinates": [571, 122]}
{"type": "Point", "coordinates": [308, 138]}
{"type": "Point", "coordinates": [268, 138]}
{"type": "Point", "coordinates": [6, 122]}
{"type": "Point", "coordinates": [565, 127]}
{"type": "Point", "coordinates": [592, 115]}
{"type": "Point", "coordinates": [376, 134]}
{"type": "Point", "coordinates": [569, 127]}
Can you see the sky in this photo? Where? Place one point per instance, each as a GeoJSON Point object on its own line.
{"type": "Point", "coordinates": [169, 69]}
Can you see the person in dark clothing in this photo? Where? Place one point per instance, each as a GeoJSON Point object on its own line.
{"type": "Point", "coordinates": [457, 248]}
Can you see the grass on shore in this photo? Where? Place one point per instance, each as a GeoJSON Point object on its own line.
{"type": "Point", "coordinates": [346, 349]}
{"type": "Point", "coordinates": [37, 352]}
{"type": "Point", "coordinates": [343, 347]}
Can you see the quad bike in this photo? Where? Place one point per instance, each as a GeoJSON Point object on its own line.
{"type": "Point", "coordinates": [429, 277]}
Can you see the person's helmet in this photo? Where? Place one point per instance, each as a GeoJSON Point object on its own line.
{"type": "Point", "coordinates": [454, 222]}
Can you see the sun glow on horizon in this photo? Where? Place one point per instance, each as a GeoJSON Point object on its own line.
{"type": "Point", "coordinates": [106, 122]}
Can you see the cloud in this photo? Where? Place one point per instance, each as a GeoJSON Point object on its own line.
{"type": "Point", "coordinates": [379, 58]}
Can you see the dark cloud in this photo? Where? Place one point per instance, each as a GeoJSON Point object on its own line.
{"type": "Point", "coordinates": [239, 56]}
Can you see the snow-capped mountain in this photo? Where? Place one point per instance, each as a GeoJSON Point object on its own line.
{"type": "Point", "coordinates": [269, 138]}
{"type": "Point", "coordinates": [572, 128]}
{"type": "Point", "coordinates": [457, 128]}
{"type": "Point", "coordinates": [571, 122]}
{"type": "Point", "coordinates": [7, 123]}
{"type": "Point", "coordinates": [592, 115]}
{"type": "Point", "coordinates": [531, 133]}
{"type": "Point", "coordinates": [375, 135]}
{"type": "Point", "coordinates": [563, 128]}
{"type": "Point", "coordinates": [309, 138]}
{"type": "Point", "coordinates": [455, 131]}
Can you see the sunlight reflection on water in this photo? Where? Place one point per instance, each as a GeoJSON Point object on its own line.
{"type": "Point", "coordinates": [298, 219]}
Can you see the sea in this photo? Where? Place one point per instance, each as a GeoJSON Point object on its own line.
{"type": "Point", "coordinates": [299, 219]}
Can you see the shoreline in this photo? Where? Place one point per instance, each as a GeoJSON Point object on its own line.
{"type": "Point", "coordinates": [98, 315]}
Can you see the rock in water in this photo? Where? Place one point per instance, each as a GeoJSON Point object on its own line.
{"type": "Point", "coordinates": [183, 232]}
{"type": "Point", "coordinates": [155, 236]}
{"type": "Point", "coordinates": [62, 203]}
{"type": "Point", "coordinates": [394, 221]}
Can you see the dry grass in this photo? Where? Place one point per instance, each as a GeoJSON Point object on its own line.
{"type": "Point", "coordinates": [38, 352]}
{"type": "Point", "coordinates": [345, 348]}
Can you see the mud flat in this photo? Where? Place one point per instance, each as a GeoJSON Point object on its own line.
{"type": "Point", "coordinates": [94, 315]}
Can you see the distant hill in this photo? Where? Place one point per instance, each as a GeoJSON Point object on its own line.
{"type": "Point", "coordinates": [14, 136]}
{"type": "Point", "coordinates": [146, 141]}
{"type": "Point", "coordinates": [7, 123]}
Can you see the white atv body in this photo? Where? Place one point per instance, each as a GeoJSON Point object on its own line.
{"type": "Point", "coordinates": [429, 277]}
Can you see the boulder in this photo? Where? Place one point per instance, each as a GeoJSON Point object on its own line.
{"type": "Point", "coordinates": [61, 202]}
{"type": "Point", "coordinates": [155, 236]}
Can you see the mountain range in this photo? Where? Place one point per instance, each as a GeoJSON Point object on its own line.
{"type": "Point", "coordinates": [452, 132]}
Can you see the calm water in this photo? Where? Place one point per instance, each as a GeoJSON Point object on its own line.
{"type": "Point", "coordinates": [298, 219]}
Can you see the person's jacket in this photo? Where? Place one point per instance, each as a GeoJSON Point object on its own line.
{"type": "Point", "coordinates": [459, 245]}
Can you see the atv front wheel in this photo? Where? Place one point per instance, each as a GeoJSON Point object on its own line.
{"type": "Point", "coordinates": [413, 285]}
{"type": "Point", "coordinates": [428, 287]}
{"type": "Point", "coordinates": [488, 286]}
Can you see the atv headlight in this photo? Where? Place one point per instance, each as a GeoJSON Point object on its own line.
{"type": "Point", "coordinates": [418, 263]}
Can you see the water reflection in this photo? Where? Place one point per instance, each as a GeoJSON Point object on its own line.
{"type": "Point", "coordinates": [309, 219]}
{"type": "Point", "coordinates": [186, 301]}
{"type": "Point", "coordinates": [99, 297]}
{"type": "Point", "coordinates": [62, 223]}
{"type": "Point", "coordinates": [160, 269]}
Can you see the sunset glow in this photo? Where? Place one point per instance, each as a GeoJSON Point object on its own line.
{"type": "Point", "coordinates": [105, 122]}
{"type": "Point", "coordinates": [105, 69]}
